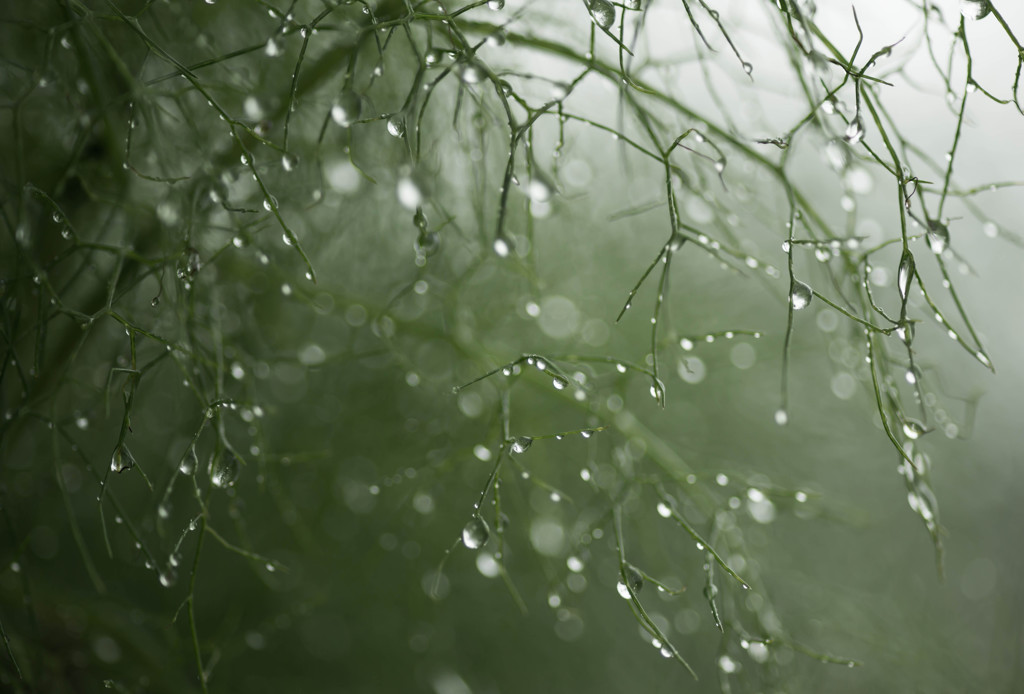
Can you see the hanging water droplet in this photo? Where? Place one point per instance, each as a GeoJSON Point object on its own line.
{"type": "Point", "coordinates": [801, 295]}
{"type": "Point", "coordinates": [913, 428]}
{"type": "Point", "coordinates": [346, 108]}
{"type": "Point", "coordinates": [633, 578]}
{"type": "Point", "coordinates": [854, 131]}
{"type": "Point", "coordinates": [938, 236]}
{"type": "Point", "coordinates": [168, 577]}
{"type": "Point", "coordinates": [748, 68]}
{"type": "Point", "coordinates": [621, 368]}
{"type": "Point", "coordinates": [559, 383]}
{"type": "Point", "coordinates": [906, 274]}
{"type": "Point", "coordinates": [663, 509]}
{"type": "Point", "coordinates": [603, 13]}
{"type": "Point", "coordinates": [122, 459]}
{"type": "Point", "coordinates": [224, 470]}
{"type": "Point", "coordinates": [975, 9]}
{"type": "Point", "coordinates": [521, 444]}
{"type": "Point", "coordinates": [289, 161]}
{"type": "Point", "coordinates": [781, 417]}
{"type": "Point", "coordinates": [496, 5]}
{"type": "Point", "coordinates": [189, 462]}
{"type": "Point", "coordinates": [427, 243]}
{"type": "Point", "coordinates": [501, 247]}
{"type": "Point", "coordinates": [432, 57]}
{"type": "Point", "coordinates": [396, 126]}
{"type": "Point", "coordinates": [475, 533]}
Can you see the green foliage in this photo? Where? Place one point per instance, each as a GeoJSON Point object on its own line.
{"type": "Point", "coordinates": [311, 313]}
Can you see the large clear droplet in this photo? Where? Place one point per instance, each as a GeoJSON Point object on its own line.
{"type": "Point", "coordinates": [476, 532]}
{"type": "Point", "coordinates": [396, 126]}
{"type": "Point", "coordinates": [189, 462]}
{"type": "Point", "coordinates": [975, 9]}
{"type": "Point", "coordinates": [521, 444]}
{"type": "Point", "coordinates": [801, 296]}
{"type": "Point", "coordinates": [122, 459]}
{"type": "Point", "coordinates": [633, 578]}
{"type": "Point", "coordinates": [854, 131]}
{"type": "Point", "coordinates": [906, 274]}
{"type": "Point", "coordinates": [938, 236]}
{"type": "Point", "coordinates": [603, 13]}
{"type": "Point", "coordinates": [224, 470]}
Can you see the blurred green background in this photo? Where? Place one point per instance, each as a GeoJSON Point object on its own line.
{"type": "Point", "coordinates": [169, 169]}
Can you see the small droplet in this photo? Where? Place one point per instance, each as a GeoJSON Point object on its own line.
{"type": "Point", "coordinates": [801, 295]}
{"type": "Point", "coordinates": [913, 428]}
{"type": "Point", "coordinates": [634, 579]}
{"type": "Point", "coordinates": [475, 533]}
{"type": "Point", "coordinates": [938, 236]}
{"type": "Point", "coordinates": [663, 510]}
{"type": "Point", "coordinates": [748, 68]}
{"type": "Point", "coordinates": [854, 131]}
{"type": "Point", "coordinates": [289, 161]}
{"type": "Point", "coordinates": [168, 577]}
{"type": "Point", "coordinates": [521, 444]}
{"type": "Point", "coordinates": [496, 5]}
{"type": "Point", "coordinates": [781, 417]}
{"type": "Point", "coordinates": [905, 275]}
{"type": "Point", "coordinates": [224, 470]}
{"type": "Point", "coordinates": [122, 459]}
{"type": "Point", "coordinates": [501, 247]}
{"type": "Point", "coordinates": [396, 126]}
{"type": "Point", "coordinates": [559, 383]}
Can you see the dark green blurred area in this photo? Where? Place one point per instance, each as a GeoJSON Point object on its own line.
{"type": "Point", "coordinates": [335, 562]}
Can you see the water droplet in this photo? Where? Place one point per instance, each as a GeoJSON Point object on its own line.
{"type": "Point", "coordinates": [663, 510]}
{"type": "Point", "coordinates": [168, 577]}
{"type": "Point", "coordinates": [906, 274]}
{"type": "Point", "coordinates": [432, 57]}
{"type": "Point", "coordinates": [634, 579]}
{"type": "Point", "coordinates": [911, 376]}
{"type": "Point", "coordinates": [346, 108]}
{"type": "Point", "coordinates": [501, 247]}
{"type": "Point", "coordinates": [521, 444]}
{"type": "Point", "coordinates": [224, 470]}
{"type": "Point", "coordinates": [427, 243]}
{"type": "Point", "coordinates": [189, 265]}
{"type": "Point", "coordinates": [122, 459]}
{"type": "Point", "coordinates": [913, 428]}
{"type": "Point", "coordinates": [938, 236]}
{"type": "Point", "coordinates": [496, 5]}
{"type": "Point", "coordinates": [781, 417]}
{"type": "Point", "coordinates": [289, 161]}
{"type": "Point", "coordinates": [801, 295]}
{"type": "Point", "coordinates": [559, 383]}
{"type": "Point", "coordinates": [475, 533]}
{"type": "Point", "coordinates": [686, 344]}
{"type": "Point", "coordinates": [748, 68]}
{"type": "Point", "coordinates": [854, 131]}
{"type": "Point", "coordinates": [975, 9]}
{"type": "Point", "coordinates": [586, 433]}
{"type": "Point", "coordinates": [164, 510]}
{"type": "Point", "coordinates": [603, 13]}
{"type": "Point", "coordinates": [396, 126]}
{"type": "Point", "coordinates": [801, 497]}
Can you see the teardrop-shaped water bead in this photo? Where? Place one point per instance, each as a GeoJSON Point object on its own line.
{"type": "Point", "coordinates": [801, 295]}
{"type": "Point", "coordinates": [475, 533]}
